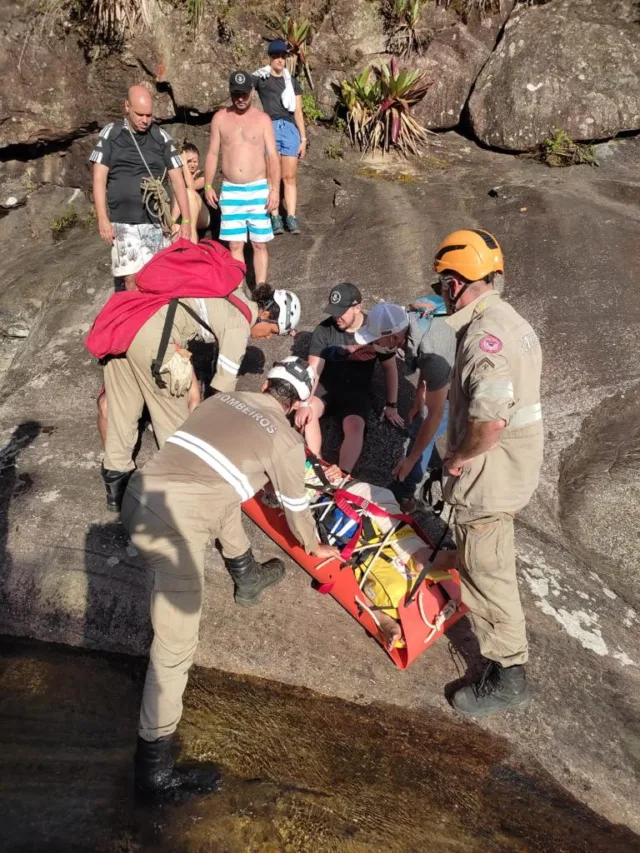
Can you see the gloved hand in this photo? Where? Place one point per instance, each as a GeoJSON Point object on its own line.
{"type": "Point", "coordinates": [178, 373]}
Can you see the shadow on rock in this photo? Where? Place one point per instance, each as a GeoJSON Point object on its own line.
{"type": "Point", "coordinates": [466, 655]}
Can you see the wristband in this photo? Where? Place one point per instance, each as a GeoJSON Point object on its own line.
{"type": "Point", "coordinates": [387, 405]}
{"type": "Point", "coordinates": [185, 221]}
{"type": "Point", "coordinates": [303, 139]}
{"type": "Point", "coordinates": [208, 186]}
{"type": "Point", "coordinates": [305, 405]}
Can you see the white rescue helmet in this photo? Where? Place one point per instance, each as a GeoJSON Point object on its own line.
{"type": "Point", "coordinates": [289, 315]}
{"type": "Point", "coordinates": [296, 372]}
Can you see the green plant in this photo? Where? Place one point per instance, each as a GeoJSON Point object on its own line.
{"type": "Point", "coordinates": [310, 109]}
{"type": "Point", "coordinates": [296, 34]}
{"type": "Point", "coordinates": [63, 223]}
{"type": "Point", "coordinates": [91, 218]}
{"type": "Point", "coordinates": [339, 123]}
{"type": "Point", "coordinates": [378, 106]}
{"type": "Point", "coordinates": [560, 150]}
{"type": "Point", "coordinates": [195, 10]}
{"type": "Point", "coordinates": [334, 151]}
{"type": "Point", "coordinates": [404, 16]}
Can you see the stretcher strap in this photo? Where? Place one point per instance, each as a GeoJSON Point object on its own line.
{"type": "Point", "coordinates": [318, 470]}
{"type": "Point", "coordinates": [343, 501]}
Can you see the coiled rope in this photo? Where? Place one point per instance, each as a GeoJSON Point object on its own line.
{"type": "Point", "coordinates": [154, 195]}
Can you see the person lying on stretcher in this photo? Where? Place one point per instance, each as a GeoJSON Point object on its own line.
{"type": "Point", "coordinates": [388, 555]}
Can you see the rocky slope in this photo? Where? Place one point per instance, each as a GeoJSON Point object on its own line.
{"type": "Point", "coordinates": [570, 238]}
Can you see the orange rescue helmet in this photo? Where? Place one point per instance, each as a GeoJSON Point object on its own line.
{"type": "Point", "coordinates": [473, 254]}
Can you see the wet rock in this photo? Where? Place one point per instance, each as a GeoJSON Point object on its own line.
{"type": "Point", "coordinates": [66, 574]}
{"type": "Point", "coordinates": [571, 65]}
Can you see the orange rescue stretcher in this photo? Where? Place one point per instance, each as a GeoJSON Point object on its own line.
{"type": "Point", "coordinates": [435, 604]}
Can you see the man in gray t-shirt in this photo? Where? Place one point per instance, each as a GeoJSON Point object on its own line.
{"type": "Point", "coordinates": [430, 348]}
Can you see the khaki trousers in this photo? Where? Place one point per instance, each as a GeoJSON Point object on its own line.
{"type": "Point", "coordinates": [130, 386]}
{"type": "Point", "coordinates": [171, 528]}
{"type": "Point", "coordinates": [487, 565]}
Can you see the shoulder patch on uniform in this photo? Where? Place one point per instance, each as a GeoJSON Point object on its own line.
{"type": "Point", "coordinates": [490, 344]}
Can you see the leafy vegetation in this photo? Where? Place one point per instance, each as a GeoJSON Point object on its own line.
{"type": "Point", "coordinates": [560, 150]}
{"type": "Point", "coordinates": [310, 109]}
{"type": "Point", "coordinates": [64, 223]}
{"type": "Point", "coordinates": [296, 34]}
{"type": "Point", "coordinates": [404, 16]}
{"type": "Point", "coordinates": [334, 151]}
{"type": "Point", "coordinates": [378, 105]}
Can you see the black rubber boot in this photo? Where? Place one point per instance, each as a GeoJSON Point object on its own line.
{"type": "Point", "coordinates": [251, 577]}
{"type": "Point", "coordinates": [157, 776]}
{"type": "Point", "coordinates": [116, 485]}
{"type": "Point", "coordinates": [498, 689]}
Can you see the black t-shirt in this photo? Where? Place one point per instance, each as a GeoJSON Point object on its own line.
{"type": "Point", "coordinates": [116, 149]}
{"type": "Point", "coordinates": [270, 92]}
{"type": "Point", "coordinates": [346, 362]}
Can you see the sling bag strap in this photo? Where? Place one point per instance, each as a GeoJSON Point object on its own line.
{"type": "Point", "coordinates": [318, 470]}
{"type": "Point", "coordinates": [156, 364]}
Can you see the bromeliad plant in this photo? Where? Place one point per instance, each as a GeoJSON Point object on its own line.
{"type": "Point", "coordinates": [378, 106]}
{"type": "Point", "coordinates": [296, 34]}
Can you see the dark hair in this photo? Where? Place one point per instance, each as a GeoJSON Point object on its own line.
{"type": "Point", "coordinates": [189, 146]}
{"type": "Point", "coordinates": [283, 391]}
{"type": "Point", "coordinates": [263, 295]}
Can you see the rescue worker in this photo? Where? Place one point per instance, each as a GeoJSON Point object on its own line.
{"type": "Point", "coordinates": [189, 493]}
{"type": "Point", "coordinates": [130, 384]}
{"type": "Point", "coordinates": [493, 459]}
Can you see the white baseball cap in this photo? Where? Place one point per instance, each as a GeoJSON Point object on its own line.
{"type": "Point", "coordinates": [384, 319]}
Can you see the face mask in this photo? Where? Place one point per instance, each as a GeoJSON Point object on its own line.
{"type": "Point", "coordinates": [385, 350]}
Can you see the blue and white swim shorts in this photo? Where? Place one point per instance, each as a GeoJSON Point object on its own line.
{"type": "Point", "coordinates": [243, 208]}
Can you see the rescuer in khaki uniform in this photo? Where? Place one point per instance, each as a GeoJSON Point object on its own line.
{"type": "Point", "coordinates": [130, 385]}
{"type": "Point", "coordinates": [189, 493]}
{"type": "Point", "coordinates": [493, 459]}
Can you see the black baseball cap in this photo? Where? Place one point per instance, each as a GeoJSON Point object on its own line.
{"type": "Point", "coordinates": [241, 81]}
{"type": "Point", "coordinates": [277, 46]}
{"type": "Point", "coordinates": [341, 298]}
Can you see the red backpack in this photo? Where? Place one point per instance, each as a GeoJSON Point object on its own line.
{"type": "Point", "coordinates": [184, 269]}
{"type": "Point", "coordinates": [194, 269]}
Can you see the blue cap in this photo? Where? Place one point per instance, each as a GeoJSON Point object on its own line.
{"type": "Point", "coordinates": [277, 46]}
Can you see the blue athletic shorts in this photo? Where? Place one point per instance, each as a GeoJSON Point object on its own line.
{"type": "Point", "coordinates": [287, 137]}
{"type": "Point", "coordinates": [243, 207]}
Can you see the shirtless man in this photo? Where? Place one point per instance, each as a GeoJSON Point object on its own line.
{"type": "Point", "coordinates": [250, 173]}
